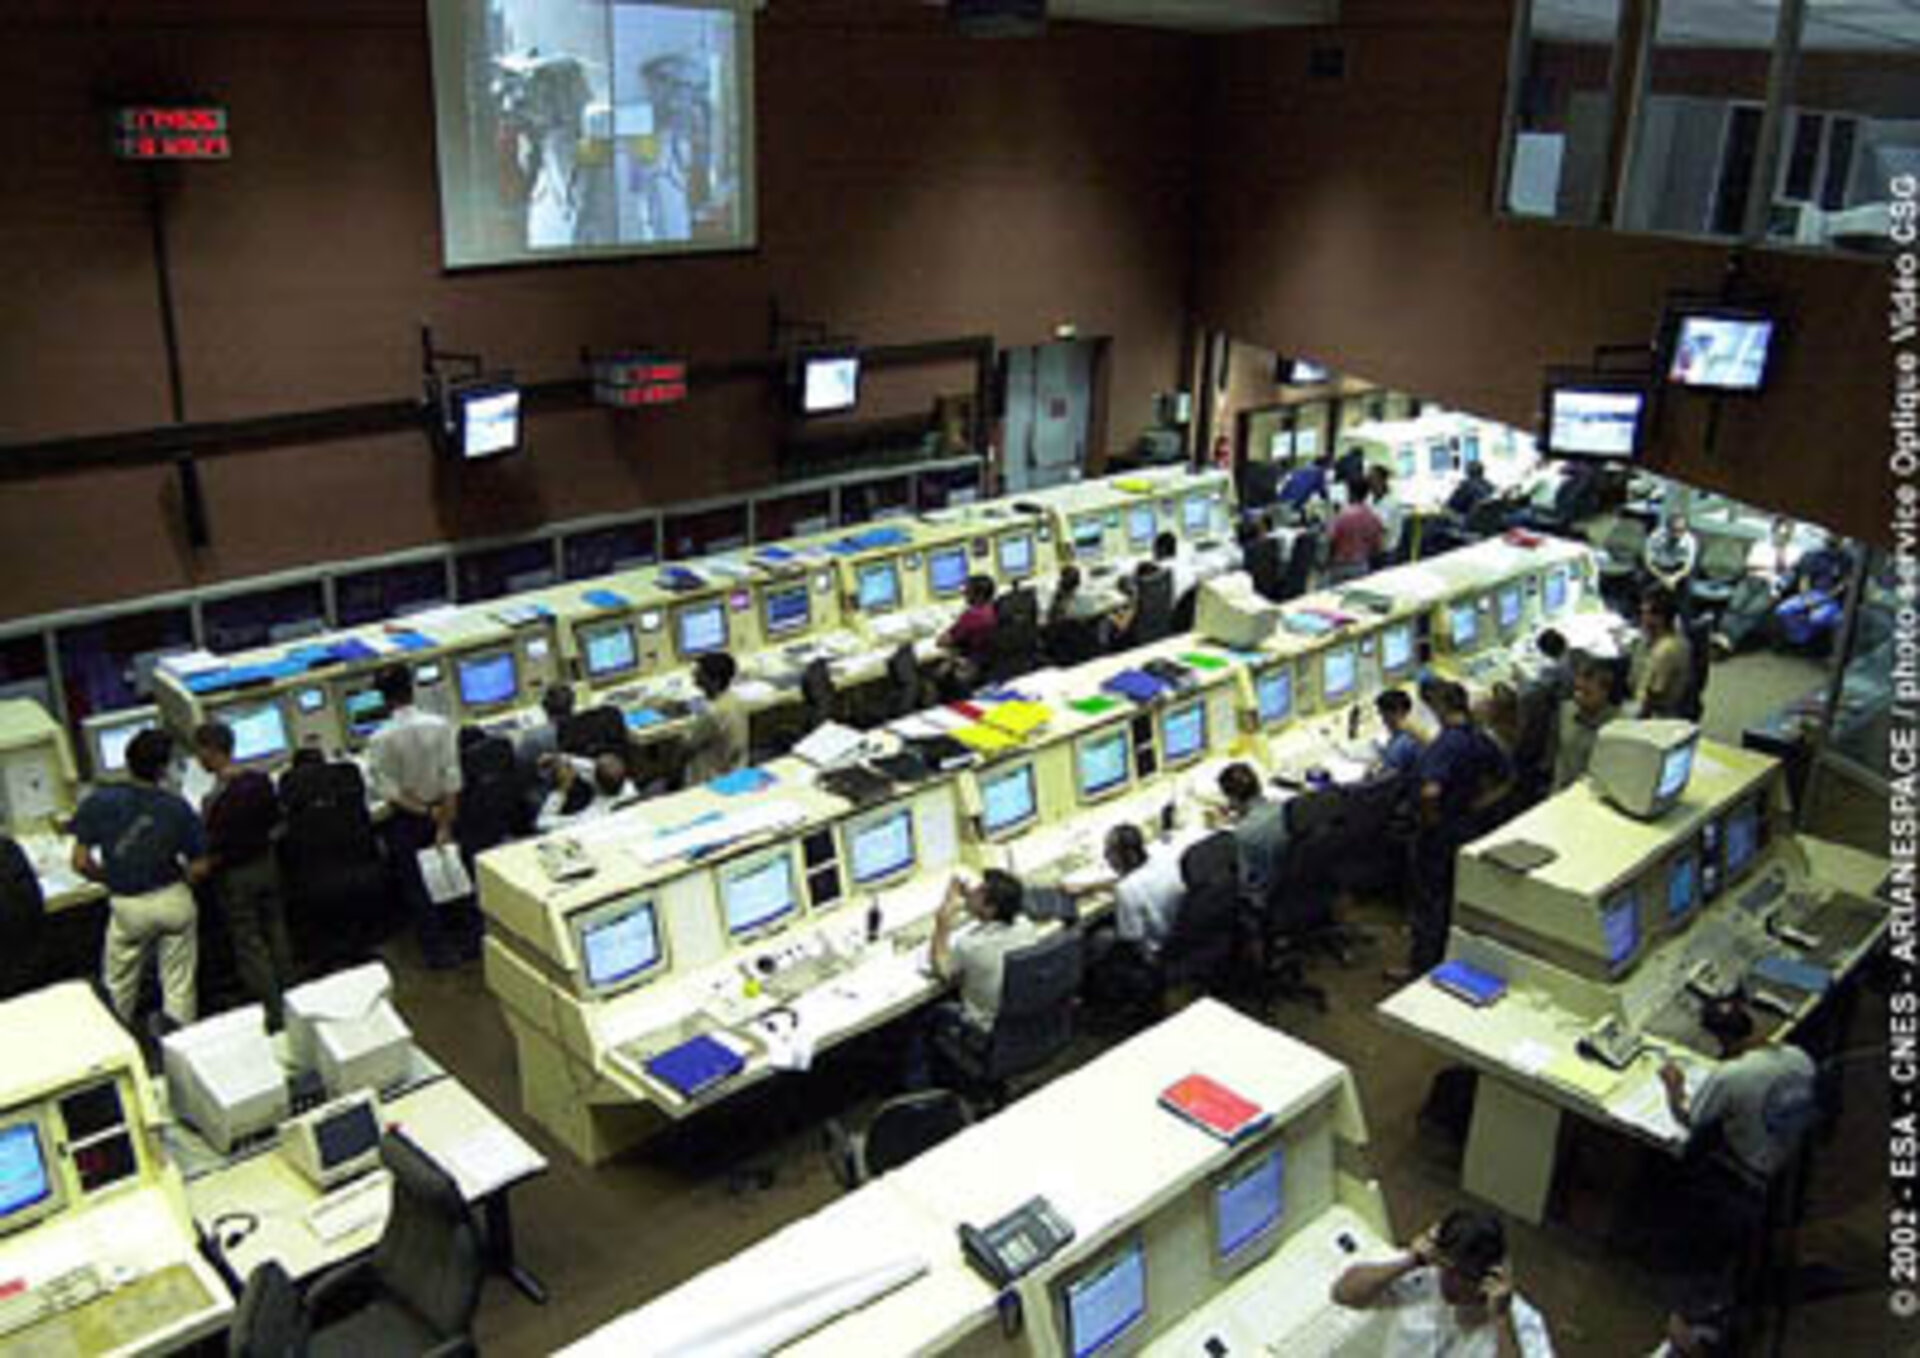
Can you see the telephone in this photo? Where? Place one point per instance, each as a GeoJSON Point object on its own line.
{"type": "Point", "coordinates": [1611, 1043]}
{"type": "Point", "coordinates": [1012, 1246]}
{"type": "Point", "coordinates": [563, 859]}
{"type": "Point", "coordinates": [1707, 981]}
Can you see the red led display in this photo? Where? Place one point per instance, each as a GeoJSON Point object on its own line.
{"type": "Point", "coordinates": [628, 381]}
{"type": "Point", "coordinates": [171, 132]}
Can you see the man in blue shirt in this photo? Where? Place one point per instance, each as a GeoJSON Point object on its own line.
{"type": "Point", "coordinates": [1400, 752]}
{"type": "Point", "coordinates": [1306, 482]}
{"type": "Point", "coordinates": [145, 845]}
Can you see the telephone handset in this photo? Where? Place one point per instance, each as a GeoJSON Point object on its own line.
{"type": "Point", "coordinates": [1611, 1043]}
{"type": "Point", "coordinates": [1012, 1246]}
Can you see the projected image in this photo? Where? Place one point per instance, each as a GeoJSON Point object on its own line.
{"type": "Point", "coordinates": [1596, 423]}
{"type": "Point", "coordinates": [1721, 352]}
{"type": "Point", "coordinates": [597, 126]}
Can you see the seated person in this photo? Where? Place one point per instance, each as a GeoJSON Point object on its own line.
{"type": "Point", "coordinates": [975, 957]}
{"type": "Point", "coordinates": [1129, 625]}
{"type": "Point", "coordinates": [969, 642]}
{"type": "Point", "coordinates": [1168, 556]}
{"type": "Point", "coordinates": [1663, 660]}
{"type": "Point", "coordinates": [1669, 554]}
{"type": "Point", "coordinates": [1579, 720]}
{"type": "Point", "coordinates": [576, 798]}
{"type": "Point", "coordinates": [1473, 491]}
{"type": "Point", "coordinates": [1772, 564]}
{"type": "Point", "coordinates": [1450, 1293]}
{"type": "Point", "coordinates": [716, 742]}
{"type": "Point", "coordinates": [1065, 605]}
{"type": "Point", "coordinates": [534, 746]}
{"type": "Point", "coordinates": [1148, 891]}
{"type": "Point", "coordinates": [1400, 751]}
{"type": "Point", "coordinates": [1814, 603]}
{"type": "Point", "coordinates": [1259, 826]}
{"type": "Point", "coordinates": [1556, 671]}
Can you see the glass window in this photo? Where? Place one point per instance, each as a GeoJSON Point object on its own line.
{"type": "Point", "coordinates": [950, 486]}
{"type": "Point", "coordinates": [1563, 111]}
{"type": "Point", "coordinates": [706, 530]}
{"type": "Point", "coordinates": [109, 665]}
{"type": "Point", "coordinates": [602, 551]}
{"type": "Point", "coordinates": [244, 621]}
{"type": "Point", "coordinates": [870, 500]}
{"type": "Point", "coordinates": [787, 516]}
{"type": "Point", "coordinates": [495, 571]}
{"type": "Point", "coordinates": [389, 592]}
{"type": "Point", "coordinates": [23, 670]}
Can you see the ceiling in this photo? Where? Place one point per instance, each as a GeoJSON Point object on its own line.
{"type": "Point", "coordinates": [1855, 25]}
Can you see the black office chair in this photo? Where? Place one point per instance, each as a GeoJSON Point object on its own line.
{"type": "Point", "coordinates": [594, 732]}
{"type": "Point", "coordinates": [271, 1321]}
{"type": "Point", "coordinates": [818, 699]}
{"type": "Point", "coordinates": [419, 1290]}
{"type": "Point", "coordinates": [1200, 947]}
{"type": "Point", "coordinates": [23, 917]}
{"type": "Point", "coordinates": [1718, 573]}
{"type": "Point", "coordinates": [1266, 563]}
{"type": "Point", "coordinates": [904, 688]}
{"type": "Point", "coordinates": [1070, 641]}
{"type": "Point", "coordinates": [330, 865]}
{"type": "Point", "coordinates": [1301, 554]}
{"type": "Point", "coordinates": [900, 1129]}
{"type": "Point", "coordinates": [1038, 987]}
{"type": "Point", "coordinates": [1016, 636]}
{"type": "Point", "coordinates": [1152, 606]}
{"type": "Point", "coordinates": [492, 806]}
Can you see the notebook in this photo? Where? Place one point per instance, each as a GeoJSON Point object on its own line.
{"type": "Point", "coordinates": [1141, 688]}
{"type": "Point", "coordinates": [1212, 1107]}
{"type": "Point", "coordinates": [1464, 981]}
{"type": "Point", "coordinates": [696, 1065]}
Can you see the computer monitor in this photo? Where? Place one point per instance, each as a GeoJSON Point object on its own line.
{"type": "Point", "coordinates": [1183, 733]}
{"type": "Point", "coordinates": [1743, 838]}
{"type": "Point", "coordinates": [1016, 556]}
{"type": "Point", "coordinates": [1008, 800]}
{"type": "Point", "coordinates": [1553, 594]}
{"type": "Point", "coordinates": [1140, 526]}
{"type": "Point", "coordinates": [1463, 625]}
{"type": "Point", "coordinates": [1470, 448]}
{"type": "Point", "coordinates": [485, 681]}
{"type": "Point", "coordinates": [608, 649]}
{"type": "Point", "coordinates": [1338, 675]}
{"type": "Point", "coordinates": [1620, 930]}
{"type": "Point", "coordinates": [1507, 605]}
{"type": "Point", "coordinates": [1196, 513]}
{"type": "Point", "coordinates": [786, 609]}
{"type": "Point", "coordinates": [757, 893]}
{"type": "Point", "coordinates": [618, 944]}
{"type": "Point", "coordinates": [336, 1141]}
{"type": "Point", "coordinates": [1089, 536]}
{"type": "Point", "coordinates": [107, 739]}
{"type": "Point", "coordinates": [223, 1076]}
{"type": "Point", "coordinates": [1439, 458]}
{"type": "Point", "coordinates": [1273, 695]}
{"type": "Point", "coordinates": [345, 1027]}
{"type": "Point", "coordinates": [1596, 416]}
{"type": "Point", "coordinates": [1683, 886]}
{"type": "Point", "coordinates": [1642, 767]}
{"type": "Point", "coordinates": [1247, 1210]}
{"type": "Point", "coordinates": [878, 587]}
{"type": "Point", "coordinates": [700, 628]}
{"type": "Point", "coordinates": [483, 419]}
{"type": "Point", "coordinates": [946, 571]}
{"type": "Point", "coordinates": [1104, 1306]}
{"type": "Point", "coordinates": [827, 382]}
{"type": "Point", "coordinates": [1720, 349]}
{"type": "Point", "coordinates": [365, 709]}
{"type": "Point", "coordinates": [1101, 761]}
{"type": "Point", "coordinates": [1396, 650]}
{"type": "Point", "coordinates": [29, 1188]}
{"type": "Point", "coordinates": [259, 731]}
{"type": "Point", "coordinates": [880, 848]}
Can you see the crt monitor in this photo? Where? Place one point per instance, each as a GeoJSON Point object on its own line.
{"type": "Point", "coordinates": [1596, 416]}
{"type": "Point", "coordinates": [1642, 767]}
{"type": "Point", "coordinates": [878, 587]}
{"type": "Point", "coordinates": [1247, 1210]}
{"type": "Point", "coordinates": [880, 848]}
{"type": "Point", "coordinates": [1620, 930]}
{"type": "Point", "coordinates": [108, 738]}
{"type": "Point", "coordinates": [607, 649]}
{"type": "Point", "coordinates": [365, 708]}
{"type": "Point", "coordinates": [1683, 886]}
{"type": "Point", "coordinates": [1089, 535]}
{"type": "Point", "coordinates": [828, 383]}
{"type": "Point", "coordinates": [699, 628]}
{"type": "Point", "coordinates": [1008, 800]}
{"type": "Point", "coordinates": [1338, 675]}
{"type": "Point", "coordinates": [946, 571]}
{"type": "Point", "coordinates": [483, 419]}
{"type": "Point", "coordinates": [1101, 761]}
{"type": "Point", "coordinates": [1196, 513]}
{"type": "Point", "coordinates": [29, 1188]}
{"type": "Point", "coordinates": [1720, 349]}
{"type": "Point", "coordinates": [490, 680]}
{"type": "Point", "coordinates": [1273, 693]}
{"type": "Point", "coordinates": [1463, 625]}
{"type": "Point", "coordinates": [1396, 649]}
{"type": "Point", "coordinates": [1140, 526]}
{"type": "Point", "coordinates": [1104, 1305]}
{"type": "Point", "coordinates": [757, 893]}
{"type": "Point", "coordinates": [788, 609]}
{"type": "Point", "coordinates": [1553, 596]}
{"type": "Point", "coordinates": [1016, 556]}
{"type": "Point", "coordinates": [259, 731]}
{"type": "Point", "coordinates": [1507, 606]}
{"type": "Point", "coordinates": [1440, 457]}
{"type": "Point", "coordinates": [1183, 732]}
{"type": "Point", "coordinates": [618, 945]}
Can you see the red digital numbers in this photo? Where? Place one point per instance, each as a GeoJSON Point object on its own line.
{"type": "Point", "coordinates": [172, 133]}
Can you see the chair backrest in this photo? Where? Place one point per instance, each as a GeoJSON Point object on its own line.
{"type": "Point", "coordinates": [326, 812]}
{"type": "Point", "coordinates": [903, 681]}
{"type": "Point", "coordinates": [1723, 558]}
{"type": "Point", "coordinates": [22, 920]}
{"type": "Point", "coordinates": [1266, 562]}
{"type": "Point", "coordinates": [594, 732]}
{"type": "Point", "coordinates": [1299, 566]}
{"type": "Point", "coordinates": [1201, 940]}
{"type": "Point", "coordinates": [490, 794]}
{"type": "Point", "coordinates": [1071, 641]}
{"type": "Point", "coordinates": [1625, 539]}
{"type": "Point", "coordinates": [429, 1254]}
{"type": "Point", "coordinates": [1699, 634]}
{"type": "Point", "coordinates": [1016, 636]}
{"type": "Point", "coordinates": [816, 692]}
{"type": "Point", "coordinates": [903, 1127]}
{"type": "Point", "coordinates": [271, 1320]}
{"type": "Point", "coordinates": [1153, 604]}
{"type": "Point", "coordinates": [1038, 984]}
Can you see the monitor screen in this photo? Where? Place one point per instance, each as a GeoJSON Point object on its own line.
{"type": "Point", "coordinates": [1675, 769]}
{"type": "Point", "coordinates": [110, 744]}
{"type": "Point", "coordinates": [365, 708]}
{"type": "Point", "coordinates": [947, 570]}
{"type": "Point", "coordinates": [310, 700]}
{"type": "Point", "coordinates": [1620, 929]}
{"type": "Point", "coordinates": [1274, 693]}
{"type": "Point", "coordinates": [1463, 625]}
{"type": "Point", "coordinates": [608, 650]}
{"type": "Point", "coordinates": [1439, 458]}
{"type": "Point", "coordinates": [789, 610]}
{"type": "Point", "coordinates": [616, 948]}
{"type": "Point", "coordinates": [1396, 648]}
{"type": "Point", "coordinates": [1555, 595]}
{"type": "Point", "coordinates": [1007, 799]}
{"type": "Point", "coordinates": [1103, 762]}
{"type": "Point", "coordinates": [1681, 886]}
{"type": "Point", "coordinates": [1089, 536]}
{"type": "Point", "coordinates": [1507, 607]}
{"type": "Point", "coordinates": [1302, 373]}
{"type": "Point", "coordinates": [1470, 448]}
{"type": "Point", "coordinates": [882, 848]}
{"type": "Point", "coordinates": [258, 732]}
{"type": "Point", "coordinates": [1016, 555]}
{"type": "Point", "coordinates": [1743, 838]}
{"type": "Point", "coordinates": [879, 587]}
{"type": "Point", "coordinates": [1183, 732]}
{"type": "Point", "coordinates": [1196, 513]}
{"type": "Point", "coordinates": [485, 421]}
{"type": "Point", "coordinates": [487, 680]}
{"type": "Point", "coordinates": [1595, 420]}
{"type": "Point", "coordinates": [700, 628]}
{"type": "Point", "coordinates": [829, 383]}
{"type": "Point", "coordinates": [1721, 351]}
{"type": "Point", "coordinates": [347, 1135]}
{"type": "Point", "coordinates": [757, 894]}
{"type": "Point", "coordinates": [1247, 1206]}
{"type": "Point", "coordinates": [24, 1177]}
{"type": "Point", "coordinates": [1104, 1303]}
{"type": "Point", "coordinates": [1140, 525]}
{"type": "Point", "coordinates": [1337, 674]}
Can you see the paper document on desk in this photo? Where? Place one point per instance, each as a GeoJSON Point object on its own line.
{"type": "Point", "coordinates": [444, 873]}
{"type": "Point", "coordinates": [1644, 1104]}
{"type": "Point", "coordinates": [755, 691]}
{"type": "Point", "coordinates": [486, 1161]}
{"type": "Point", "coordinates": [831, 745]}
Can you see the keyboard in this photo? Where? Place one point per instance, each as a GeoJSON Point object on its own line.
{"type": "Point", "coordinates": [1324, 1332]}
{"type": "Point", "coordinates": [1763, 893]}
{"type": "Point", "coordinates": [353, 1206]}
{"type": "Point", "coordinates": [62, 1292]}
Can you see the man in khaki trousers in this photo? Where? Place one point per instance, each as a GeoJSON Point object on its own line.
{"type": "Point", "coordinates": [146, 846]}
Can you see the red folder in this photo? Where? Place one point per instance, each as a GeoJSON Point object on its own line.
{"type": "Point", "coordinates": [1214, 1108]}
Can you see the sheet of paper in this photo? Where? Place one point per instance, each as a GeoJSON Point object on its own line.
{"type": "Point", "coordinates": [487, 1159]}
{"type": "Point", "coordinates": [1530, 1056]}
{"type": "Point", "coordinates": [444, 874]}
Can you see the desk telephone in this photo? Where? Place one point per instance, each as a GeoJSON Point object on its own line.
{"type": "Point", "coordinates": [1017, 1243]}
{"type": "Point", "coordinates": [1708, 981]}
{"type": "Point", "coordinates": [1611, 1043]}
{"type": "Point", "coordinates": [564, 860]}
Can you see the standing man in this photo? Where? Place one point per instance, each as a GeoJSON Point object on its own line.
{"type": "Point", "coordinates": [1393, 514]}
{"type": "Point", "coordinates": [1400, 752]}
{"type": "Point", "coordinates": [1450, 1294]}
{"type": "Point", "coordinates": [414, 763]}
{"type": "Point", "coordinates": [1356, 538]}
{"type": "Point", "coordinates": [145, 845]}
{"type": "Point", "coordinates": [1663, 662]}
{"type": "Point", "coordinates": [1580, 719]}
{"type": "Point", "coordinates": [241, 814]}
{"type": "Point", "coordinates": [717, 740]}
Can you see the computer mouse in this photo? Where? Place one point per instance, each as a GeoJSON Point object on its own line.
{"type": "Point", "coordinates": [765, 964]}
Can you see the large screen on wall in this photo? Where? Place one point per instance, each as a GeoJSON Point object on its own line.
{"type": "Point", "coordinates": [592, 128]}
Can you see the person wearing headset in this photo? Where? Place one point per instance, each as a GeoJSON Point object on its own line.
{"type": "Point", "coordinates": [1450, 1293]}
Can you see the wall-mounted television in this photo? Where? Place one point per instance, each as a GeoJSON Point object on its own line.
{"type": "Point", "coordinates": [1597, 416]}
{"type": "Point", "coordinates": [482, 418]}
{"type": "Point", "coordinates": [826, 382]}
{"type": "Point", "coordinates": [1719, 348]}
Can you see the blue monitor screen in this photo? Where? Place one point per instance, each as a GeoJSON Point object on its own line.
{"type": "Point", "coordinates": [1509, 607]}
{"type": "Point", "coordinates": [1743, 835]}
{"type": "Point", "coordinates": [1396, 648]}
{"type": "Point", "coordinates": [702, 628]}
{"type": "Point", "coordinates": [1016, 555]}
{"type": "Point", "coordinates": [618, 948]}
{"type": "Point", "coordinates": [947, 570]}
{"type": "Point", "coordinates": [1405, 461]}
{"type": "Point", "coordinates": [1337, 675]}
{"type": "Point", "coordinates": [1088, 536]}
{"type": "Point", "coordinates": [1183, 732]}
{"type": "Point", "coordinates": [1103, 763]}
{"type": "Point", "coordinates": [882, 848]}
{"type": "Point", "coordinates": [1620, 929]}
{"type": "Point", "coordinates": [1007, 799]}
{"type": "Point", "coordinates": [1681, 895]}
{"type": "Point", "coordinates": [258, 732]}
{"type": "Point", "coordinates": [1440, 458]}
{"type": "Point", "coordinates": [1463, 625]}
{"type": "Point", "coordinates": [788, 610]}
{"type": "Point", "coordinates": [1140, 525]}
{"type": "Point", "coordinates": [24, 1180]}
{"type": "Point", "coordinates": [1196, 513]}
{"type": "Point", "coordinates": [1274, 692]}
{"type": "Point", "coordinates": [366, 709]}
{"type": "Point", "coordinates": [1675, 769]}
{"type": "Point", "coordinates": [1556, 590]}
{"type": "Point", "coordinates": [879, 587]}
{"type": "Point", "coordinates": [487, 680]}
{"type": "Point", "coordinates": [757, 895]}
{"type": "Point", "coordinates": [1470, 448]}
{"type": "Point", "coordinates": [1247, 1206]}
{"type": "Point", "coordinates": [1104, 1303]}
{"type": "Point", "coordinates": [608, 650]}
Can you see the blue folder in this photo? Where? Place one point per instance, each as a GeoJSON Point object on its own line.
{"type": "Point", "coordinates": [695, 1065]}
{"type": "Point", "coordinates": [1788, 971]}
{"type": "Point", "coordinates": [1463, 981]}
{"type": "Point", "coordinates": [1136, 685]}
{"type": "Point", "coordinates": [604, 598]}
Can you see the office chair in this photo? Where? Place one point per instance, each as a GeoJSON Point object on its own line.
{"type": "Point", "coordinates": [817, 696]}
{"type": "Point", "coordinates": [1039, 984]}
{"type": "Point", "coordinates": [1070, 641]}
{"type": "Point", "coordinates": [1016, 636]}
{"type": "Point", "coordinates": [330, 864]}
{"type": "Point", "coordinates": [1301, 554]}
{"type": "Point", "coordinates": [491, 806]}
{"type": "Point", "coordinates": [23, 916]}
{"type": "Point", "coordinates": [270, 1321]}
{"type": "Point", "coordinates": [1716, 575]}
{"type": "Point", "coordinates": [1152, 606]}
{"type": "Point", "coordinates": [594, 732]}
{"type": "Point", "coordinates": [1201, 944]}
{"type": "Point", "coordinates": [1266, 561]}
{"type": "Point", "coordinates": [1184, 609]}
{"type": "Point", "coordinates": [1259, 484]}
{"type": "Point", "coordinates": [419, 1290]}
{"type": "Point", "coordinates": [1620, 549]}
{"type": "Point", "coordinates": [903, 683]}
{"type": "Point", "coordinates": [900, 1129]}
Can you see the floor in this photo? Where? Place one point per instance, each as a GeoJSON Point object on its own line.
{"type": "Point", "coordinates": [604, 1241]}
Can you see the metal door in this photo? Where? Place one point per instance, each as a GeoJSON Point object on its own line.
{"type": "Point", "coordinates": [1049, 413]}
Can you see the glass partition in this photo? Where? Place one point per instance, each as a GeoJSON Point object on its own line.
{"type": "Point", "coordinates": [1562, 109]}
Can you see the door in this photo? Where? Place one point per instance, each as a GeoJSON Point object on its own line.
{"type": "Point", "coordinates": [1049, 413]}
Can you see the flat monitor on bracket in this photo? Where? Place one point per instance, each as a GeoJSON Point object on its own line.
{"type": "Point", "coordinates": [618, 944]}
{"type": "Point", "coordinates": [1598, 417]}
{"type": "Point", "coordinates": [700, 628]}
{"type": "Point", "coordinates": [826, 381]}
{"type": "Point", "coordinates": [1103, 1306]}
{"type": "Point", "coordinates": [1722, 349]}
{"type": "Point", "coordinates": [482, 418]}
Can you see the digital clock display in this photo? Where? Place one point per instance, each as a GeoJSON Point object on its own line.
{"type": "Point", "coordinates": [171, 132]}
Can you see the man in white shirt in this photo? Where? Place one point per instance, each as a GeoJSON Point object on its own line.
{"type": "Point", "coordinates": [1149, 890]}
{"type": "Point", "coordinates": [413, 764]}
{"type": "Point", "coordinates": [976, 957]}
{"type": "Point", "coordinates": [576, 798]}
{"type": "Point", "coordinates": [1451, 1294]}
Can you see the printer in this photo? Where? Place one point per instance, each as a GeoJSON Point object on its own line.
{"type": "Point", "coordinates": [223, 1078]}
{"type": "Point", "coordinates": [344, 1028]}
